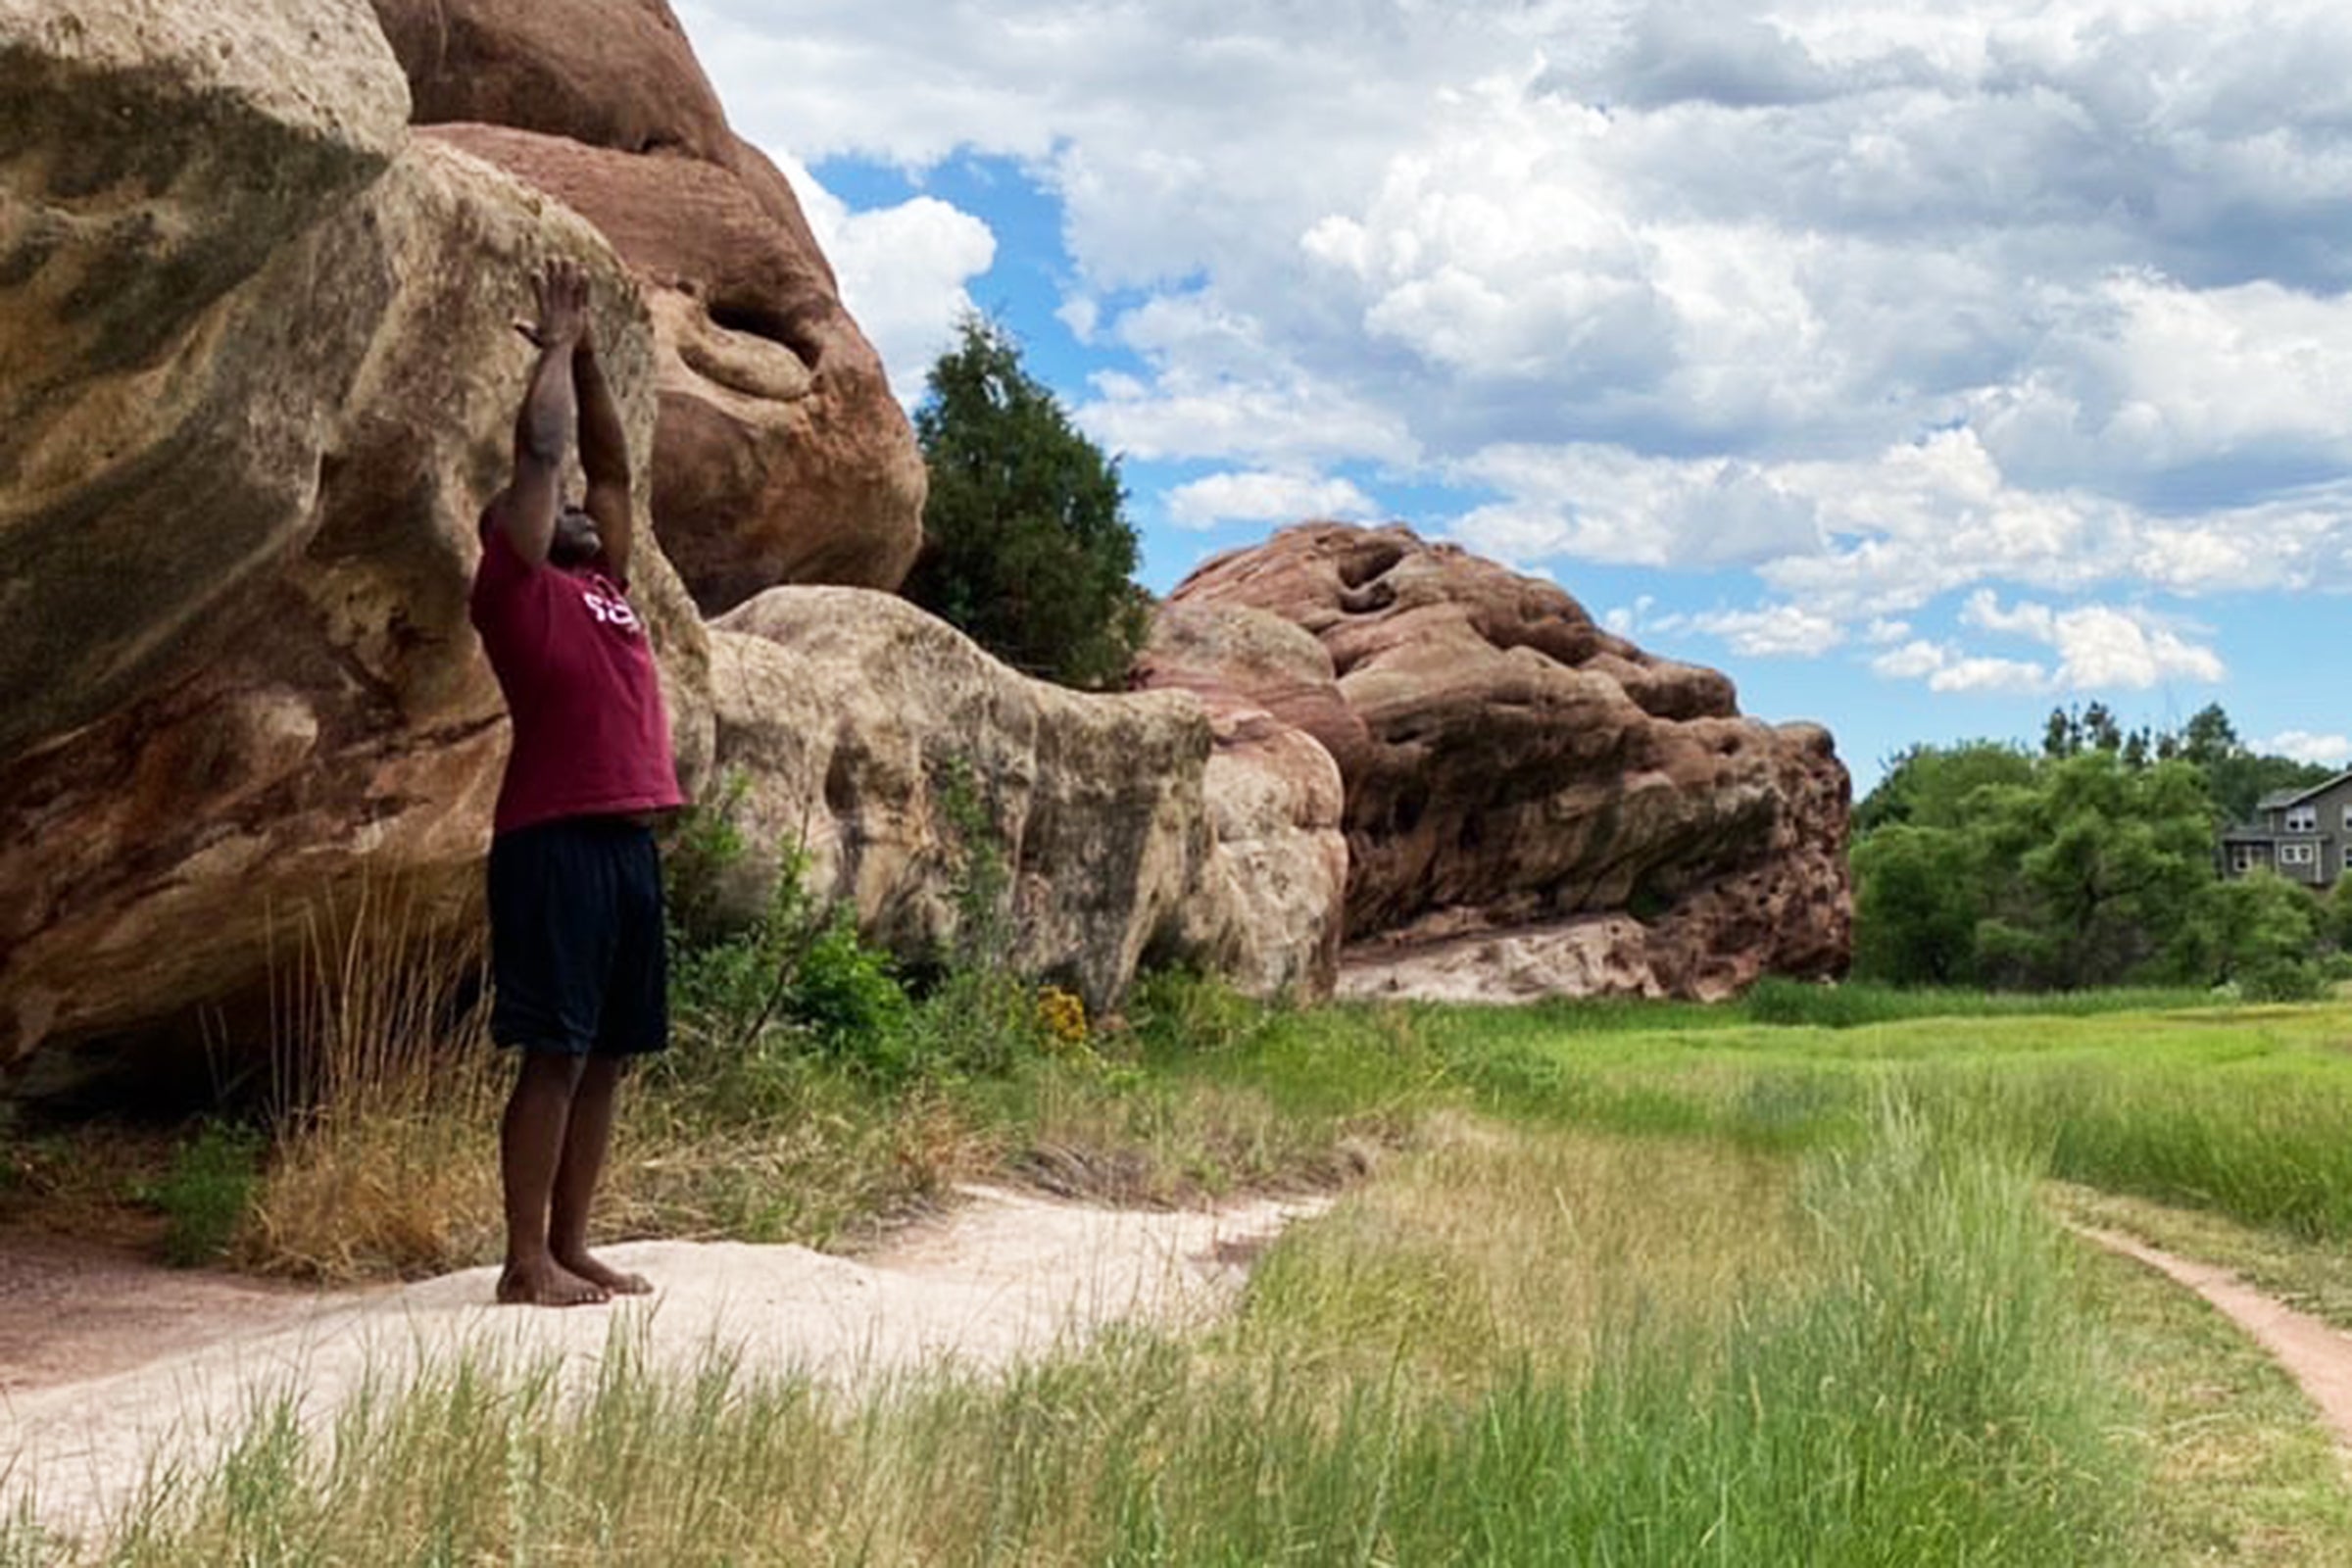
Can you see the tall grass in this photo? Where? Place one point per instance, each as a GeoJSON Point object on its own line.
{"type": "Point", "coordinates": [2260, 1141]}
{"type": "Point", "coordinates": [1513, 1350]}
{"type": "Point", "coordinates": [2242, 1111]}
{"type": "Point", "coordinates": [382, 1089]}
{"type": "Point", "coordinates": [1902, 1379]}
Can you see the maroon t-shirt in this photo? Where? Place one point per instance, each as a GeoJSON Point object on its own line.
{"type": "Point", "coordinates": [590, 735]}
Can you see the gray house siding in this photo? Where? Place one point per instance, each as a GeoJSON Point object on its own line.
{"type": "Point", "coordinates": [2303, 835]}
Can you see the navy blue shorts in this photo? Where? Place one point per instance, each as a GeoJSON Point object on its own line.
{"type": "Point", "coordinates": [577, 960]}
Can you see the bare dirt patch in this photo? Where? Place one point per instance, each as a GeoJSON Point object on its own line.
{"type": "Point", "coordinates": [73, 1310]}
{"type": "Point", "coordinates": [103, 1404]}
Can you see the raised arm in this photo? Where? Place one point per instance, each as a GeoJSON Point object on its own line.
{"type": "Point", "coordinates": [525, 510]}
{"type": "Point", "coordinates": [604, 458]}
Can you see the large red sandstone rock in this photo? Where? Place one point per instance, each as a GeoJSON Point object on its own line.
{"type": "Point", "coordinates": [781, 455]}
{"type": "Point", "coordinates": [1509, 763]}
{"type": "Point", "coordinates": [614, 74]}
{"type": "Point", "coordinates": [261, 382]}
{"type": "Point", "coordinates": [1274, 791]}
{"type": "Point", "coordinates": [847, 714]}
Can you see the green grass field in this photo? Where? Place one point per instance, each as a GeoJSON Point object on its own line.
{"type": "Point", "coordinates": [1781, 1283]}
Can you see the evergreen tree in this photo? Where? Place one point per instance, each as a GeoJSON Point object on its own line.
{"type": "Point", "coordinates": [1026, 547]}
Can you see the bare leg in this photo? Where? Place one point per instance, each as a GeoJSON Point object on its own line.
{"type": "Point", "coordinates": [530, 1145]}
{"type": "Point", "coordinates": [586, 1137]}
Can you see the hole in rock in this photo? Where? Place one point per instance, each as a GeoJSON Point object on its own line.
{"type": "Point", "coordinates": [1368, 560]}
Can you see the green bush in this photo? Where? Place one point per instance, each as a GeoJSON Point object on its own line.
{"type": "Point", "coordinates": [1176, 1010]}
{"type": "Point", "coordinates": [2278, 979]}
{"type": "Point", "coordinates": [704, 842]}
{"type": "Point", "coordinates": [979, 1022]}
{"type": "Point", "coordinates": [847, 996]}
{"type": "Point", "coordinates": [802, 970]}
{"type": "Point", "coordinates": [206, 1191]}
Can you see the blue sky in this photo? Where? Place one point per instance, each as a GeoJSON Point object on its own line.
{"type": "Point", "coordinates": [1921, 369]}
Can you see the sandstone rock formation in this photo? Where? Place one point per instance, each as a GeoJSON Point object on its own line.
{"type": "Point", "coordinates": [256, 379]}
{"type": "Point", "coordinates": [849, 717]}
{"type": "Point", "coordinates": [1509, 764]}
{"type": "Point", "coordinates": [259, 381]}
{"type": "Point", "coordinates": [781, 455]}
{"type": "Point", "coordinates": [1275, 795]}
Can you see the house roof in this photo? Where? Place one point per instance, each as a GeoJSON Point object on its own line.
{"type": "Point", "coordinates": [2280, 800]}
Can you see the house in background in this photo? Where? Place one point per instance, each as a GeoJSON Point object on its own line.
{"type": "Point", "coordinates": [2303, 835]}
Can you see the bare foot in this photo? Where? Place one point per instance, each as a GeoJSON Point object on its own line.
{"type": "Point", "coordinates": [547, 1285]}
{"type": "Point", "coordinates": [606, 1277]}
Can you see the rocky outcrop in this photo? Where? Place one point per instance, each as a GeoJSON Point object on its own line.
{"type": "Point", "coordinates": [594, 71]}
{"type": "Point", "coordinates": [862, 729]}
{"type": "Point", "coordinates": [1274, 792]}
{"type": "Point", "coordinates": [259, 381]}
{"type": "Point", "coordinates": [1508, 763]}
{"type": "Point", "coordinates": [781, 455]}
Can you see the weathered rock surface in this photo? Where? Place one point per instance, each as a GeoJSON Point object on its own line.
{"type": "Point", "coordinates": [851, 716]}
{"type": "Point", "coordinates": [781, 455]}
{"type": "Point", "coordinates": [1508, 763]}
{"type": "Point", "coordinates": [1274, 793]}
{"type": "Point", "coordinates": [260, 379]}
{"type": "Point", "coordinates": [154, 162]}
{"type": "Point", "coordinates": [596, 71]}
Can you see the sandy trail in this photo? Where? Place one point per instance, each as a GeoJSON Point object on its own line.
{"type": "Point", "coordinates": [2318, 1355]}
{"type": "Point", "coordinates": [1002, 1276]}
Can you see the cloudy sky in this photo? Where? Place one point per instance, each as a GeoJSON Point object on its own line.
{"type": "Point", "coordinates": [1921, 368]}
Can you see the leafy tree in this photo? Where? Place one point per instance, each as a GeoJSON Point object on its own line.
{"type": "Point", "coordinates": [2089, 863]}
{"type": "Point", "coordinates": [2010, 871]}
{"type": "Point", "coordinates": [2259, 932]}
{"type": "Point", "coordinates": [1915, 909]}
{"type": "Point", "coordinates": [1025, 545]}
{"type": "Point", "coordinates": [1928, 786]}
{"type": "Point", "coordinates": [2209, 736]}
{"type": "Point", "coordinates": [2236, 777]}
{"type": "Point", "coordinates": [2069, 731]}
{"type": "Point", "coordinates": [2335, 915]}
{"type": "Point", "coordinates": [2097, 864]}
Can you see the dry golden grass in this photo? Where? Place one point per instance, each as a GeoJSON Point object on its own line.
{"type": "Point", "coordinates": [386, 1091]}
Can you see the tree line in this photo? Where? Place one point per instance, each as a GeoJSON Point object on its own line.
{"type": "Point", "coordinates": [2090, 862]}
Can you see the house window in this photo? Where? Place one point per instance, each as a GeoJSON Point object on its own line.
{"type": "Point", "coordinates": [2244, 857]}
{"type": "Point", "coordinates": [2348, 817]}
{"type": "Point", "coordinates": [2298, 855]}
{"type": "Point", "coordinates": [2303, 820]}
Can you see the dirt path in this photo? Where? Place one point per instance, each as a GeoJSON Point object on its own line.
{"type": "Point", "coordinates": [109, 1366]}
{"type": "Point", "coordinates": [92, 1401]}
{"type": "Point", "coordinates": [2317, 1354]}
{"type": "Point", "coordinates": [72, 1311]}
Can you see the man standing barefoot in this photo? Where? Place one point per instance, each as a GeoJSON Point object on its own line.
{"type": "Point", "coordinates": [575, 880]}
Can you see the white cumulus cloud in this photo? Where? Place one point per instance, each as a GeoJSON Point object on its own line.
{"type": "Point", "coordinates": [903, 272]}
{"type": "Point", "coordinates": [2009, 676]}
{"type": "Point", "coordinates": [1265, 498]}
{"type": "Point", "coordinates": [1774, 631]}
{"type": "Point", "coordinates": [2099, 647]}
{"type": "Point", "coordinates": [2325, 751]}
{"type": "Point", "coordinates": [2028, 322]}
